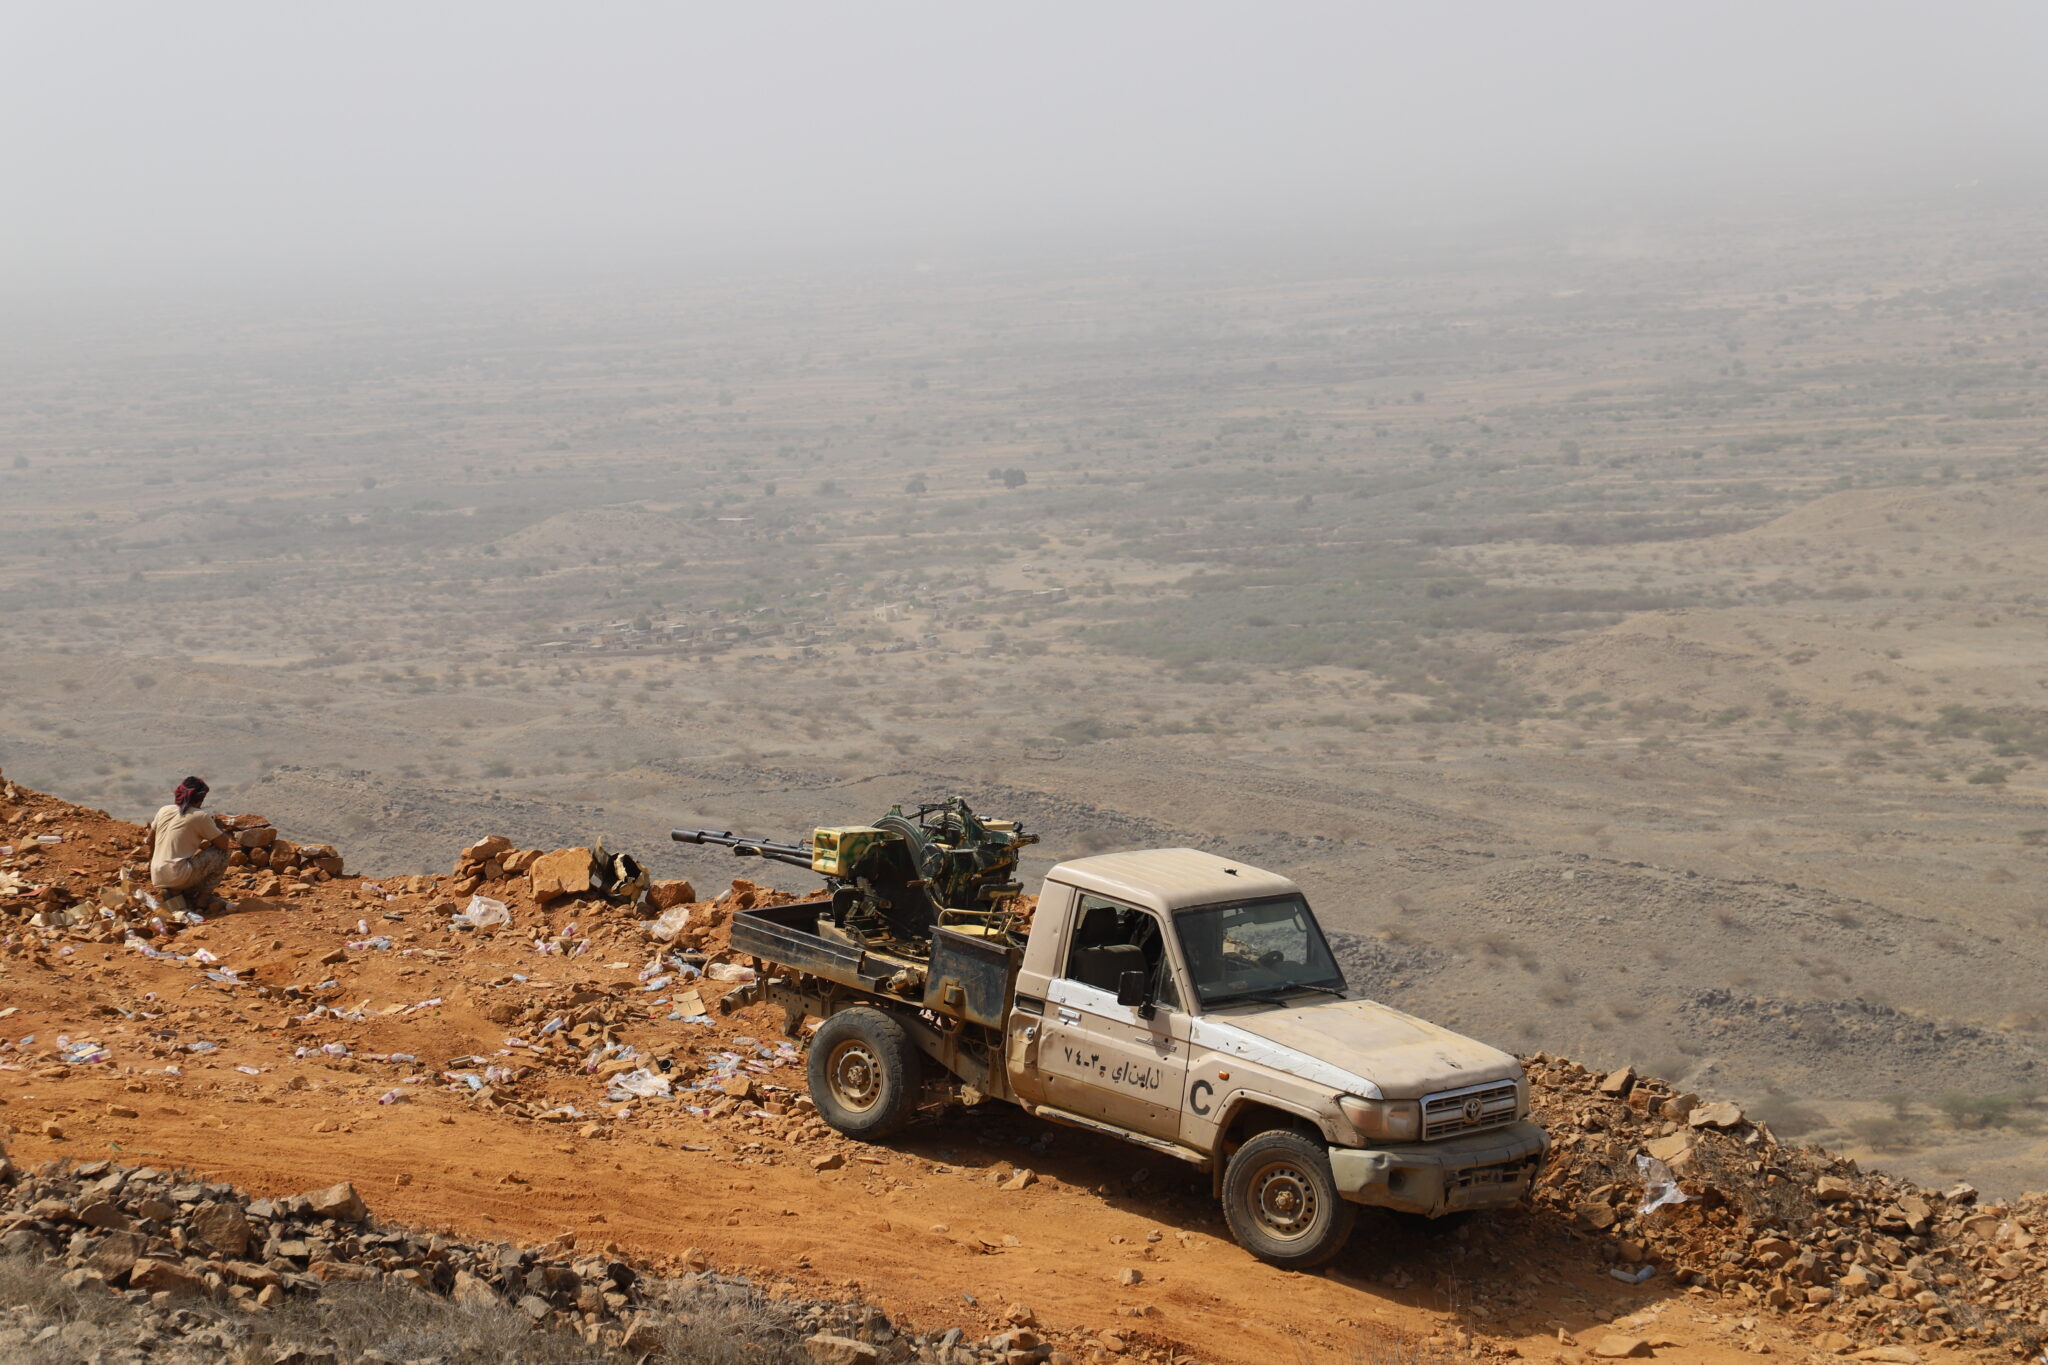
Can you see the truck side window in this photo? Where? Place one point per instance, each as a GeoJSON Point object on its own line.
{"type": "Point", "coordinates": [1111, 939]}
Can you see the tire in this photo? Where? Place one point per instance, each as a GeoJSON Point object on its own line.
{"type": "Point", "coordinates": [1282, 1203]}
{"type": "Point", "coordinates": [865, 1073]}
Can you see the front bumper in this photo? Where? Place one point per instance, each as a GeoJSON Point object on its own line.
{"type": "Point", "coordinates": [1480, 1171]}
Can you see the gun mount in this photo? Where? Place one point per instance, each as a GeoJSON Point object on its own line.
{"type": "Point", "coordinates": [910, 870]}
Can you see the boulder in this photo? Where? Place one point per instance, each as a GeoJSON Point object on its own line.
{"type": "Point", "coordinates": [343, 1270]}
{"type": "Point", "coordinates": [642, 1336]}
{"type": "Point", "coordinates": [339, 1202]}
{"type": "Point", "coordinates": [1675, 1151]}
{"type": "Point", "coordinates": [116, 1254]}
{"type": "Point", "coordinates": [1720, 1114]}
{"type": "Point", "coordinates": [250, 1274]}
{"type": "Point", "coordinates": [222, 1227]}
{"type": "Point", "coordinates": [1678, 1108]}
{"type": "Point", "coordinates": [828, 1349]}
{"type": "Point", "coordinates": [165, 1277]}
{"type": "Point", "coordinates": [483, 850]}
{"type": "Point", "coordinates": [471, 1290]}
{"type": "Point", "coordinates": [668, 895]}
{"type": "Point", "coordinates": [101, 1213]}
{"type": "Point", "coordinates": [565, 872]}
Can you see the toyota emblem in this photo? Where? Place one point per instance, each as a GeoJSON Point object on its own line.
{"type": "Point", "coordinates": [1472, 1109]}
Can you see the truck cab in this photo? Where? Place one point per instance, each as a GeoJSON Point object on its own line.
{"type": "Point", "coordinates": [1192, 1004]}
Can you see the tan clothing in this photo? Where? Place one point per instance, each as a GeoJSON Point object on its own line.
{"type": "Point", "coordinates": [195, 877]}
{"type": "Point", "coordinates": [178, 838]}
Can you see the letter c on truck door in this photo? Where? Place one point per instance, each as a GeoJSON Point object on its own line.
{"type": "Point", "coordinates": [1198, 1096]}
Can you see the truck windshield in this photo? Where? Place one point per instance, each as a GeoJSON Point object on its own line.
{"type": "Point", "coordinates": [1252, 950]}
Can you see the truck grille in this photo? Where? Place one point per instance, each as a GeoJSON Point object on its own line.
{"type": "Point", "coordinates": [1449, 1113]}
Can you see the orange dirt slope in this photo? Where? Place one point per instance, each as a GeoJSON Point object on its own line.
{"type": "Point", "coordinates": [261, 1048]}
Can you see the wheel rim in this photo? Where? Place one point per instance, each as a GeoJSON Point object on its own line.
{"type": "Point", "coordinates": [1283, 1200]}
{"type": "Point", "coordinates": [856, 1075]}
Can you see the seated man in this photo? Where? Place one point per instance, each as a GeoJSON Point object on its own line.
{"type": "Point", "coordinates": [188, 852]}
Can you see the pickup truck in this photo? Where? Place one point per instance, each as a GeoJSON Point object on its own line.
{"type": "Point", "coordinates": [1180, 1001]}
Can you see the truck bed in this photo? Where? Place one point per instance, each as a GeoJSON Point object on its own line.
{"type": "Point", "coordinates": [966, 975]}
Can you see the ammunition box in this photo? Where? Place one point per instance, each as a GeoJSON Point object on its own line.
{"type": "Point", "coordinates": [837, 852]}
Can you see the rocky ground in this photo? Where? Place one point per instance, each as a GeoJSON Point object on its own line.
{"type": "Point", "coordinates": [208, 1273]}
{"type": "Point", "coordinates": [533, 1092]}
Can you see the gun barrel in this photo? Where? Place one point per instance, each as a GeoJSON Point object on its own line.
{"type": "Point", "coordinates": [796, 855]}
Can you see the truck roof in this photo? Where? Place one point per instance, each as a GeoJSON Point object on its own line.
{"type": "Point", "coordinates": [1170, 879]}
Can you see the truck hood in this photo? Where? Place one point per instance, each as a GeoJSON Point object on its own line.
{"type": "Point", "coordinates": [1360, 1046]}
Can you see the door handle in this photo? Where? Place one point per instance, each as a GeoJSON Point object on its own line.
{"type": "Point", "coordinates": [1067, 1016]}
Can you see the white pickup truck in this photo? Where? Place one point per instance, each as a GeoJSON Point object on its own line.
{"type": "Point", "coordinates": [1174, 999]}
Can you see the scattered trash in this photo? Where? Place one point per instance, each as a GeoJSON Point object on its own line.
{"type": "Point", "coordinates": [202, 1046]}
{"type": "Point", "coordinates": [643, 1084]}
{"type": "Point", "coordinates": [1636, 1276]}
{"type": "Point", "coordinates": [1660, 1187]}
{"type": "Point", "coordinates": [250, 1070]}
{"type": "Point", "coordinates": [671, 922]}
{"type": "Point", "coordinates": [378, 944]}
{"type": "Point", "coordinates": [481, 913]}
{"type": "Point", "coordinates": [394, 1097]}
{"type": "Point", "coordinates": [730, 972]}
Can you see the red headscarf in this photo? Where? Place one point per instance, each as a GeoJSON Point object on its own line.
{"type": "Point", "coordinates": [189, 794]}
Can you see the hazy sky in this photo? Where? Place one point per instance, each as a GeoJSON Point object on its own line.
{"type": "Point", "coordinates": [186, 136]}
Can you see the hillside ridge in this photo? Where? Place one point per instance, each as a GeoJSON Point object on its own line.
{"type": "Point", "coordinates": [567, 1071]}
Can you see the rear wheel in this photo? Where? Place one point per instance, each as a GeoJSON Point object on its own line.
{"type": "Point", "coordinates": [1282, 1203]}
{"type": "Point", "coordinates": [864, 1073]}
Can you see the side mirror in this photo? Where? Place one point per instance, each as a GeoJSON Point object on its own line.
{"type": "Point", "coordinates": [1130, 989]}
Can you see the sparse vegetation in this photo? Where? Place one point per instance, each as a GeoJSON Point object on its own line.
{"type": "Point", "coordinates": [1740, 614]}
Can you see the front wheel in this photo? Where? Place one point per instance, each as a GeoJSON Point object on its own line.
{"type": "Point", "coordinates": [864, 1073]}
{"type": "Point", "coordinates": [1282, 1203]}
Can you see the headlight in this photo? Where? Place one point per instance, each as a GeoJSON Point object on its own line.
{"type": "Point", "coordinates": [1385, 1120]}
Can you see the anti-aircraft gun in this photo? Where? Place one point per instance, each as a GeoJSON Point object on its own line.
{"type": "Point", "coordinates": [939, 864]}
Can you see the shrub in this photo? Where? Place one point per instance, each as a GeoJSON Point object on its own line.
{"type": "Point", "coordinates": [1977, 1111]}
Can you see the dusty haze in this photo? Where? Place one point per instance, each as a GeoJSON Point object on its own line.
{"type": "Point", "coordinates": [211, 143]}
{"type": "Point", "coordinates": [1569, 484]}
